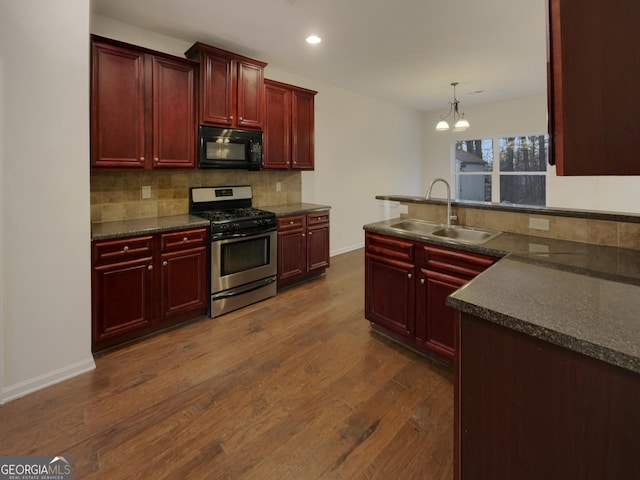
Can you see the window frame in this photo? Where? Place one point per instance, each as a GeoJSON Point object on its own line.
{"type": "Point", "coordinates": [495, 172]}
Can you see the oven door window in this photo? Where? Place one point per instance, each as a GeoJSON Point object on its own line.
{"type": "Point", "coordinates": [225, 151]}
{"type": "Point", "coordinates": [244, 255]}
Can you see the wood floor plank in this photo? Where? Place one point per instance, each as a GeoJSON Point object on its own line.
{"type": "Point", "coordinates": [296, 386]}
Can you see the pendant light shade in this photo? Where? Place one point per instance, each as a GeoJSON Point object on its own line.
{"type": "Point", "coordinates": [460, 124]}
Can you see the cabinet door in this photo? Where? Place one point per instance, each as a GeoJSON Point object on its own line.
{"type": "Point", "coordinates": [117, 107]}
{"type": "Point", "coordinates": [174, 120]}
{"type": "Point", "coordinates": [436, 322]}
{"type": "Point", "coordinates": [302, 122]}
{"type": "Point", "coordinates": [183, 282]}
{"type": "Point", "coordinates": [250, 101]}
{"type": "Point", "coordinates": [277, 128]}
{"type": "Point", "coordinates": [218, 90]}
{"type": "Point", "coordinates": [593, 87]}
{"type": "Point", "coordinates": [292, 255]}
{"type": "Point", "coordinates": [390, 294]}
{"type": "Point", "coordinates": [122, 299]}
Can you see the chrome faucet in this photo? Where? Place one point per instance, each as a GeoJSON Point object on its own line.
{"type": "Point", "coordinates": [428, 197]}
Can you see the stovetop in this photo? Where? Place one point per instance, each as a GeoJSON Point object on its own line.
{"type": "Point", "coordinates": [230, 212]}
{"type": "Point", "coordinates": [234, 214]}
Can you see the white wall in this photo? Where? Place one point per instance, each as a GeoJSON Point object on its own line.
{"type": "Point", "coordinates": [355, 160]}
{"type": "Point", "coordinates": [45, 296]}
{"type": "Point", "coordinates": [364, 147]}
{"type": "Point", "coordinates": [522, 116]}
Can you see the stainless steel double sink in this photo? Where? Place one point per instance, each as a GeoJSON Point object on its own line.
{"type": "Point", "coordinates": [454, 233]}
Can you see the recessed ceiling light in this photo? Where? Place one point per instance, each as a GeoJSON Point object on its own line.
{"type": "Point", "coordinates": [313, 39]}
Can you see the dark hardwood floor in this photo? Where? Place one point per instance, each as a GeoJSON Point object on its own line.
{"type": "Point", "coordinates": [295, 387]}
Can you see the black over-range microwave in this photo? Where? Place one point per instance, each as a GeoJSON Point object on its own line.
{"type": "Point", "coordinates": [229, 148]}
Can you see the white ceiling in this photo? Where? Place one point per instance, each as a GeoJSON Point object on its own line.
{"type": "Point", "coordinates": [403, 51]}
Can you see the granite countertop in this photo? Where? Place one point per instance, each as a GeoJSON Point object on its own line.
{"type": "Point", "coordinates": [579, 296]}
{"type": "Point", "coordinates": [293, 208]}
{"type": "Point", "coordinates": [142, 226]}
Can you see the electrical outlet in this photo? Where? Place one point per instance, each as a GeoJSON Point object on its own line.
{"type": "Point", "coordinates": [539, 224]}
{"type": "Point", "coordinates": [146, 192]}
{"type": "Point", "coordinates": [278, 186]}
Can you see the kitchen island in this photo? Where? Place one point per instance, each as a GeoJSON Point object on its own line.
{"type": "Point", "coordinates": [547, 362]}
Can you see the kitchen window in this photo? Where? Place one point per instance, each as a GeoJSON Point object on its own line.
{"type": "Point", "coordinates": [519, 176]}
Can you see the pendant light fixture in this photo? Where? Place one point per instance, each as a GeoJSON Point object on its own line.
{"type": "Point", "coordinates": [460, 124]}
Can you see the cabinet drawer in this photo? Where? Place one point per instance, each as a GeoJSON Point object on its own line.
{"type": "Point", "coordinates": [318, 217]}
{"type": "Point", "coordinates": [111, 251]}
{"type": "Point", "coordinates": [456, 262]}
{"type": "Point", "coordinates": [183, 239]}
{"type": "Point", "coordinates": [291, 223]}
{"type": "Point", "coordinates": [389, 247]}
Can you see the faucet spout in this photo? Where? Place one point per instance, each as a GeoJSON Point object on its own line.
{"type": "Point", "coordinates": [428, 197]}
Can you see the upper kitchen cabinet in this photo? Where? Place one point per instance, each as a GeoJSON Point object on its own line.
{"type": "Point", "coordinates": [593, 91]}
{"type": "Point", "coordinates": [288, 131]}
{"type": "Point", "coordinates": [142, 108]}
{"type": "Point", "coordinates": [231, 88]}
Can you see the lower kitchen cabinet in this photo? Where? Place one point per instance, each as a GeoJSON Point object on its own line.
{"type": "Point", "coordinates": [303, 246]}
{"type": "Point", "coordinates": [406, 287]}
{"type": "Point", "coordinates": [144, 283]}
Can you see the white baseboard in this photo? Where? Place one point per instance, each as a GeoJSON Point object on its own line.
{"type": "Point", "coordinates": [346, 249]}
{"type": "Point", "coordinates": [42, 381]}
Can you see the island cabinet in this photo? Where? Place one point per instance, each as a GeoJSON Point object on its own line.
{"type": "Point", "coordinates": [289, 127]}
{"type": "Point", "coordinates": [144, 283]}
{"type": "Point", "coordinates": [142, 108]}
{"type": "Point", "coordinates": [593, 96]}
{"type": "Point", "coordinates": [406, 287]}
{"type": "Point", "coordinates": [231, 88]}
{"type": "Point", "coordinates": [527, 409]}
{"type": "Point", "coordinates": [303, 246]}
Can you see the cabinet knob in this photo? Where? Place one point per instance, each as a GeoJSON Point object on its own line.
{"type": "Point", "coordinates": [185, 239]}
{"type": "Point", "coordinates": [422, 281]}
{"type": "Point", "coordinates": [126, 248]}
{"type": "Point", "coordinates": [230, 117]}
{"type": "Point", "coordinates": [240, 118]}
{"type": "Point", "coordinates": [156, 159]}
{"type": "Point", "coordinates": [409, 275]}
{"type": "Point", "coordinates": [150, 267]}
{"type": "Point", "coordinates": [303, 234]}
{"type": "Point", "coordinates": [142, 159]}
{"type": "Point", "coordinates": [165, 263]}
{"type": "Point", "coordinates": [290, 222]}
{"type": "Point", "coordinates": [310, 233]}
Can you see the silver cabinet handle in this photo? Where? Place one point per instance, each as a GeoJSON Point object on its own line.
{"type": "Point", "coordinates": [422, 281]}
{"type": "Point", "coordinates": [310, 233]}
{"type": "Point", "coordinates": [185, 239]}
{"type": "Point", "coordinates": [142, 159]}
{"type": "Point", "coordinates": [165, 263]}
{"type": "Point", "coordinates": [156, 159]}
{"type": "Point", "coordinates": [126, 248]}
{"type": "Point", "coordinates": [240, 118]}
{"type": "Point", "coordinates": [303, 235]}
{"type": "Point", "coordinates": [150, 267]}
{"type": "Point", "coordinates": [409, 275]}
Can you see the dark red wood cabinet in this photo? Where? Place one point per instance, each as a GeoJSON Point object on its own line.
{"type": "Point", "coordinates": [406, 287]}
{"type": "Point", "coordinates": [142, 108]}
{"type": "Point", "coordinates": [289, 127]}
{"type": "Point", "coordinates": [144, 283]}
{"type": "Point", "coordinates": [389, 283]}
{"type": "Point", "coordinates": [303, 246]}
{"type": "Point", "coordinates": [231, 88]}
{"type": "Point", "coordinates": [594, 68]}
{"type": "Point", "coordinates": [526, 409]}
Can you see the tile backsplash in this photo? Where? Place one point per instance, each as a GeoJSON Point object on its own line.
{"type": "Point", "coordinates": [117, 195]}
{"type": "Point", "coordinates": [586, 230]}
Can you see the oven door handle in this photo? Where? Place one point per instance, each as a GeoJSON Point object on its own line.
{"type": "Point", "coordinates": [230, 236]}
{"type": "Point", "coordinates": [232, 292]}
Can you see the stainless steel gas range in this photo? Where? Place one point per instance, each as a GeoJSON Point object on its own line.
{"type": "Point", "coordinates": [243, 246]}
